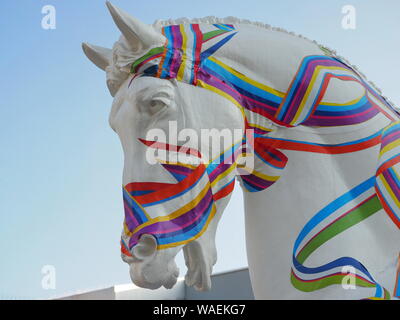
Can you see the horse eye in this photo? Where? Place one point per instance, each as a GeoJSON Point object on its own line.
{"type": "Point", "coordinates": [157, 104]}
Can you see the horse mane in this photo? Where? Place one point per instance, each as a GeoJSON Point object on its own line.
{"type": "Point", "coordinates": [234, 20]}
{"type": "Point", "coordinates": [158, 24]}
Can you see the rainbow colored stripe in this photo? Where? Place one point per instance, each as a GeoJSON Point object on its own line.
{"type": "Point", "coordinates": [317, 147]}
{"type": "Point", "coordinates": [387, 175]}
{"type": "Point", "coordinates": [346, 211]}
{"type": "Point", "coordinates": [191, 200]}
{"type": "Point", "coordinates": [188, 56]}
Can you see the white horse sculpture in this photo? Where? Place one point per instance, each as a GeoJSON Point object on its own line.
{"type": "Point", "coordinates": [328, 228]}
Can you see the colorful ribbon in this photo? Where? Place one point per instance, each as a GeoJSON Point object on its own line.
{"type": "Point", "coordinates": [188, 56]}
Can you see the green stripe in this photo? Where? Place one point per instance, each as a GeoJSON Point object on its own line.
{"type": "Point", "coordinates": [152, 52]}
{"type": "Point", "coordinates": [209, 35]}
{"type": "Point", "coordinates": [360, 213]}
{"type": "Point", "coordinates": [325, 282]}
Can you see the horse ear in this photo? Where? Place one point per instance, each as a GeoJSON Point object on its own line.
{"type": "Point", "coordinates": [146, 247]}
{"type": "Point", "coordinates": [137, 33]}
{"type": "Point", "coordinates": [100, 56]}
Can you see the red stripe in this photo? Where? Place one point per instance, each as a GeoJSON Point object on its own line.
{"type": "Point", "coordinates": [388, 164]}
{"type": "Point", "coordinates": [263, 149]}
{"type": "Point", "coordinates": [173, 189]}
{"type": "Point", "coordinates": [199, 41]}
{"type": "Point", "coordinates": [147, 60]}
{"type": "Point", "coordinates": [145, 186]}
{"type": "Point", "coordinates": [325, 84]}
{"type": "Point", "coordinates": [298, 146]}
{"type": "Point", "coordinates": [170, 147]}
{"type": "Point", "coordinates": [387, 208]}
{"type": "Point", "coordinates": [225, 191]}
{"type": "Point", "coordinates": [334, 221]}
{"type": "Point", "coordinates": [125, 251]}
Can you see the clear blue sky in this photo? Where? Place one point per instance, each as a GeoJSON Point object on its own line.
{"type": "Point", "coordinates": [61, 165]}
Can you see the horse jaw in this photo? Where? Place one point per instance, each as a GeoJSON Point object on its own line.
{"type": "Point", "coordinates": [200, 257]}
{"type": "Point", "coordinates": [151, 268]}
{"type": "Point", "coordinates": [201, 254]}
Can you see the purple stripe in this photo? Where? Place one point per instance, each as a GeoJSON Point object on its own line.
{"type": "Point", "coordinates": [177, 46]}
{"type": "Point", "coordinates": [178, 169]}
{"type": "Point", "coordinates": [130, 218]}
{"type": "Point", "coordinates": [390, 138]}
{"type": "Point", "coordinates": [219, 170]}
{"type": "Point", "coordinates": [392, 183]}
{"type": "Point", "coordinates": [340, 121]}
{"type": "Point", "coordinates": [304, 83]}
{"type": "Point", "coordinates": [223, 166]}
{"type": "Point", "coordinates": [258, 182]}
{"type": "Point", "coordinates": [214, 82]}
{"type": "Point", "coordinates": [260, 131]}
{"type": "Point", "coordinates": [178, 223]}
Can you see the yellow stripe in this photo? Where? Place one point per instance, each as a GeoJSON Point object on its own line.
{"type": "Point", "coordinates": [396, 173]}
{"type": "Point", "coordinates": [221, 93]}
{"type": "Point", "coordinates": [231, 156]}
{"type": "Point", "coordinates": [224, 174]}
{"type": "Point", "coordinates": [262, 175]}
{"type": "Point", "coordinates": [126, 230]}
{"type": "Point", "coordinates": [391, 125]}
{"type": "Point", "coordinates": [176, 213]}
{"type": "Point", "coordinates": [310, 88]}
{"type": "Point", "coordinates": [349, 103]}
{"type": "Point", "coordinates": [186, 165]}
{"type": "Point", "coordinates": [175, 244]}
{"type": "Point", "coordinates": [181, 71]}
{"type": "Point", "coordinates": [260, 127]}
{"type": "Point", "coordinates": [389, 190]}
{"type": "Point", "coordinates": [246, 79]}
{"type": "Point", "coordinates": [390, 146]}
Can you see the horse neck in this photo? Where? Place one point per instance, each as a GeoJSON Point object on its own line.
{"type": "Point", "coordinates": [265, 59]}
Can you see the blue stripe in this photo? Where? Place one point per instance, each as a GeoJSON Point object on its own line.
{"type": "Point", "coordinates": [337, 108]}
{"type": "Point", "coordinates": [319, 91]}
{"type": "Point", "coordinates": [191, 233]}
{"type": "Point", "coordinates": [298, 81]}
{"type": "Point", "coordinates": [341, 262]}
{"type": "Point", "coordinates": [397, 292]}
{"type": "Point", "coordinates": [239, 83]}
{"type": "Point", "coordinates": [205, 54]}
{"type": "Point", "coordinates": [193, 54]}
{"type": "Point", "coordinates": [140, 192]}
{"type": "Point", "coordinates": [168, 56]}
{"type": "Point", "coordinates": [137, 210]}
{"type": "Point", "coordinates": [386, 132]}
{"type": "Point", "coordinates": [175, 195]}
{"type": "Point", "coordinates": [332, 207]}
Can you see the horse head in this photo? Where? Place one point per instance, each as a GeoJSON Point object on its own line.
{"type": "Point", "coordinates": [174, 192]}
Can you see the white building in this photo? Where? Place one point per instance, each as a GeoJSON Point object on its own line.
{"type": "Point", "coordinates": [230, 285]}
